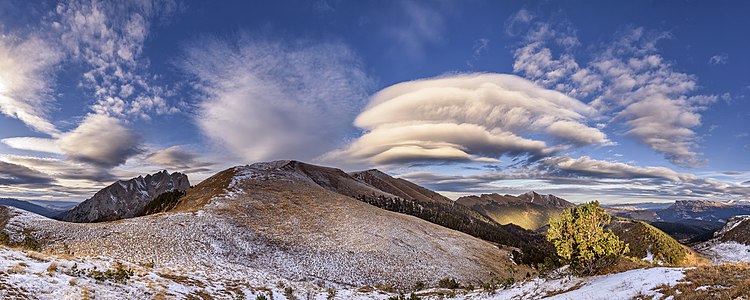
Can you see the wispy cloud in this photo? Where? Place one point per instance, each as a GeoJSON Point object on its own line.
{"type": "Point", "coordinates": [27, 67]}
{"type": "Point", "coordinates": [420, 25]}
{"type": "Point", "coordinates": [718, 59]}
{"type": "Point", "coordinates": [265, 99]}
{"type": "Point", "coordinates": [467, 117]}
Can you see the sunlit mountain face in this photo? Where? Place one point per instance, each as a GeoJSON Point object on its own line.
{"type": "Point", "coordinates": [621, 102]}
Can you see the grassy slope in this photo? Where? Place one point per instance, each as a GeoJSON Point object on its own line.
{"type": "Point", "coordinates": [644, 238]}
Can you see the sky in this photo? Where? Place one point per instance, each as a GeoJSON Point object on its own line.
{"type": "Point", "coordinates": [629, 101]}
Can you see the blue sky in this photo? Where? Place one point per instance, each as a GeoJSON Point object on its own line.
{"type": "Point", "coordinates": [621, 102]}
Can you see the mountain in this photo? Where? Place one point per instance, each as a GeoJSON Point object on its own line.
{"type": "Point", "coordinates": [530, 210]}
{"type": "Point", "coordinates": [731, 243]}
{"type": "Point", "coordinates": [399, 187]}
{"type": "Point", "coordinates": [28, 206]}
{"type": "Point", "coordinates": [689, 221]}
{"type": "Point", "coordinates": [702, 210]}
{"type": "Point", "coordinates": [406, 197]}
{"type": "Point", "coordinates": [125, 199]}
{"type": "Point", "coordinates": [282, 218]}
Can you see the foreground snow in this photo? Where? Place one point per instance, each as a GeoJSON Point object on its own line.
{"type": "Point", "coordinates": [34, 275]}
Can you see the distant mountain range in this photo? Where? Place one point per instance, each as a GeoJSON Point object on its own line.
{"type": "Point", "coordinates": [47, 211]}
{"type": "Point", "coordinates": [690, 221]}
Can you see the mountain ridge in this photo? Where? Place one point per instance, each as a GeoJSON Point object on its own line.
{"type": "Point", "coordinates": [125, 198]}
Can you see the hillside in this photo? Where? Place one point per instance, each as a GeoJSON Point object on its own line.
{"type": "Point", "coordinates": [731, 244]}
{"type": "Point", "coordinates": [399, 187]}
{"type": "Point", "coordinates": [271, 218]}
{"type": "Point", "coordinates": [28, 206]}
{"type": "Point", "coordinates": [651, 244]}
{"type": "Point", "coordinates": [125, 199]}
{"type": "Point", "coordinates": [530, 210]}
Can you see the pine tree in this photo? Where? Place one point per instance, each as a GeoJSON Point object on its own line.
{"type": "Point", "coordinates": [581, 240]}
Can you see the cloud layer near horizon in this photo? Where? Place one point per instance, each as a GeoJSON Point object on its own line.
{"type": "Point", "coordinates": [468, 117]}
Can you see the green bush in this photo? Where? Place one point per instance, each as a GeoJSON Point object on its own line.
{"type": "Point", "coordinates": [580, 239]}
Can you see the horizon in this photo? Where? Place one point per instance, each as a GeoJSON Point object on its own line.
{"type": "Point", "coordinates": [618, 102]}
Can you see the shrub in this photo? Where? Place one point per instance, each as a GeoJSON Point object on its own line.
{"type": "Point", "coordinates": [580, 239]}
{"type": "Point", "coordinates": [289, 293]}
{"type": "Point", "coordinates": [261, 297]}
{"type": "Point", "coordinates": [119, 274]}
{"type": "Point", "coordinates": [448, 283]}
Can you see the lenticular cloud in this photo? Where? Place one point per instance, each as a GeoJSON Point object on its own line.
{"type": "Point", "coordinates": [469, 117]}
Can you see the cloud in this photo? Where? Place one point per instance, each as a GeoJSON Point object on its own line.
{"type": "Point", "coordinates": [467, 117]}
{"type": "Point", "coordinates": [480, 46]}
{"type": "Point", "coordinates": [719, 59]}
{"type": "Point", "coordinates": [27, 67]}
{"type": "Point", "coordinates": [177, 158]}
{"type": "Point", "coordinates": [584, 178]}
{"type": "Point", "coordinates": [100, 140]}
{"type": "Point", "coordinates": [33, 144]}
{"type": "Point", "coordinates": [263, 99]}
{"type": "Point", "coordinates": [627, 81]}
{"type": "Point", "coordinates": [108, 39]}
{"type": "Point", "coordinates": [61, 169]}
{"type": "Point", "coordinates": [13, 174]}
{"type": "Point", "coordinates": [587, 166]}
{"type": "Point", "coordinates": [518, 20]}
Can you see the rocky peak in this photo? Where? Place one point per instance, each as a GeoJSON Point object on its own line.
{"type": "Point", "coordinates": [125, 199]}
{"type": "Point", "coordinates": [546, 200]}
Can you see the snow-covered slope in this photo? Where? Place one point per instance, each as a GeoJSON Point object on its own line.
{"type": "Point", "coordinates": [731, 244]}
{"type": "Point", "coordinates": [269, 218]}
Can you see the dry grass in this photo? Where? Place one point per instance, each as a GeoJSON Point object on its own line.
{"type": "Point", "coordinates": [51, 269]}
{"type": "Point", "coordinates": [728, 281]}
{"type": "Point", "coordinates": [625, 263]}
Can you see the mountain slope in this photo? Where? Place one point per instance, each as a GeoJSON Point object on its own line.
{"type": "Point", "coordinates": [28, 206]}
{"type": "Point", "coordinates": [271, 218]}
{"type": "Point", "coordinates": [731, 243]}
{"type": "Point", "coordinates": [399, 187]}
{"type": "Point", "coordinates": [530, 210]}
{"type": "Point", "coordinates": [650, 243]}
{"type": "Point", "coordinates": [125, 199]}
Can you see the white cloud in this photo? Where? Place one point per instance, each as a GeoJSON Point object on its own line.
{"type": "Point", "coordinates": [33, 144]}
{"type": "Point", "coordinates": [108, 38]}
{"type": "Point", "coordinates": [601, 168]}
{"type": "Point", "coordinates": [467, 117]}
{"type": "Point", "coordinates": [718, 59]}
{"type": "Point", "coordinates": [263, 99]}
{"type": "Point", "coordinates": [100, 140]}
{"type": "Point", "coordinates": [26, 77]}
{"type": "Point", "coordinates": [627, 81]}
